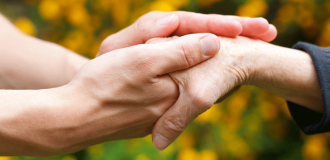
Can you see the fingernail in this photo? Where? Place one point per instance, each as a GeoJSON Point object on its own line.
{"type": "Point", "coordinates": [161, 142]}
{"type": "Point", "coordinates": [164, 21]}
{"type": "Point", "coordinates": [210, 45]}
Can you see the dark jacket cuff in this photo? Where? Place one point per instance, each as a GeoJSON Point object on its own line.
{"type": "Point", "coordinates": [309, 121]}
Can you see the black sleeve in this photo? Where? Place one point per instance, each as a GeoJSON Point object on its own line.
{"type": "Point", "coordinates": [309, 121]}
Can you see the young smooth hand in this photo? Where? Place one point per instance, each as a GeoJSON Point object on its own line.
{"type": "Point", "coordinates": [163, 24]}
{"type": "Point", "coordinates": [118, 95]}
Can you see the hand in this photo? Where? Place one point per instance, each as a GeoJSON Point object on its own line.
{"type": "Point", "coordinates": [164, 24]}
{"type": "Point", "coordinates": [125, 91]}
{"type": "Point", "coordinates": [241, 61]}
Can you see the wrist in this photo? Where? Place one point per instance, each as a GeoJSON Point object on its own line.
{"type": "Point", "coordinates": [242, 55]}
{"type": "Point", "coordinates": [288, 73]}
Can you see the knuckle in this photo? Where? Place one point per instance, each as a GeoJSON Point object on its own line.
{"type": "Point", "coordinates": [175, 123]}
{"type": "Point", "coordinates": [201, 100]}
{"type": "Point", "coordinates": [146, 63]}
{"type": "Point", "coordinates": [157, 113]}
{"type": "Point", "coordinates": [186, 53]}
{"type": "Point", "coordinates": [106, 46]}
{"type": "Point", "coordinates": [140, 26]}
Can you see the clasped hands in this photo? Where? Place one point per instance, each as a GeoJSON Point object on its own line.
{"type": "Point", "coordinates": [133, 89]}
{"type": "Point", "coordinates": [163, 85]}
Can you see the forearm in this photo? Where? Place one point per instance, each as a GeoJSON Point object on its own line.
{"type": "Point", "coordinates": [25, 120]}
{"type": "Point", "coordinates": [288, 73]}
{"type": "Point", "coordinates": [44, 122]}
{"type": "Point", "coordinates": [29, 63]}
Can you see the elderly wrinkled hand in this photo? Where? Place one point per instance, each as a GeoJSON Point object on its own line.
{"type": "Point", "coordinates": [240, 61]}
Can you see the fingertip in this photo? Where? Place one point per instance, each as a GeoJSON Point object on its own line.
{"type": "Point", "coordinates": [174, 23]}
{"type": "Point", "coordinates": [165, 25]}
{"type": "Point", "coordinates": [273, 31]}
{"type": "Point", "coordinates": [270, 35]}
{"type": "Point", "coordinates": [238, 28]}
{"type": "Point", "coordinates": [262, 25]}
{"type": "Point", "coordinates": [262, 21]}
{"type": "Point", "coordinates": [254, 27]}
{"type": "Point", "coordinates": [160, 142]}
{"type": "Point", "coordinates": [210, 45]}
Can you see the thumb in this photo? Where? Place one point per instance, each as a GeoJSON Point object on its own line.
{"type": "Point", "coordinates": [175, 120]}
{"type": "Point", "coordinates": [179, 54]}
{"type": "Point", "coordinates": [154, 24]}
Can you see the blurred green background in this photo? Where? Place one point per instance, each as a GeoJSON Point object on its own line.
{"type": "Point", "coordinates": [250, 125]}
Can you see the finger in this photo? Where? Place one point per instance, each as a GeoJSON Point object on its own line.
{"type": "Point", "coordinates": [176, 119]}
{"type": "Point", "coordinates": [153, 24]}
{"type": "Point", "coordinates": [252, 27]}
{"type": "Point", "coordinates": [202, 23]}
{"type": "Point", "coordinates": [163, 24]}
{"type": "Point", "coordinates": [161, 40]}
{"type": "Point", "coordinates": [154, 60]}
{"type": "Point", "coordinates": [184, 52]}
{"type": "Point", "coordinates": [270, 35]}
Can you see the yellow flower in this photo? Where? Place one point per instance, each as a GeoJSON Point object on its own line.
{"type": "Point", "coordinates": [238, 104]}
{"type": "Point", "coordinates": [208, 155]}
{"type": "Point", "coordinates": [315, 147]}
{"type": "Point", "coordinates": [67, 3]}
{"type": "Point", "coordinates": [325, 37]}
{"type": "Point", "coordinates": [177, 3]}
{"type": "Point", "coordinates": [104, 5]}
{"type": "Point", "coordinates": [269, 111]}
{"type": "Point", "coordinates": [142, 157]}
{"type": "Point", "coordinates": [78, 15]}
{"type": "Point", "coordinates": [26, 26]}
{"type": "Point", "coordinates": [238, 147]}
{"type": "Point", "coordinates": [75, 41]}
{"type": "Point", "coordinates": [162, 6]}
{"type": "Point", "coordinates": [96, 150]}
{"type": "Point", "coordinates": [186, 140]}
{"type": "Point", "coordinates": [188, 154]}
{"type": "Point", "coordinates": [120, 12]}
{"type": "Point", "coordinates": [50, 9]}
{"type": "Point", "coordinates": [286, 13]}
{"type": "Point", "coordinates": [211, 115]}
{"type": "Point", "coordinates": [253, 8]}
{"type": "Point", "coordinates": [5, 158]}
